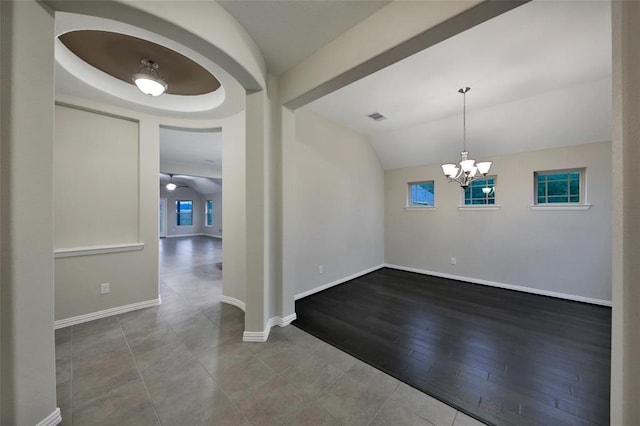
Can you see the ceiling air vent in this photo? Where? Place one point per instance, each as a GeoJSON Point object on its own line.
{"type": "Point", "coordinates": [376, 116]}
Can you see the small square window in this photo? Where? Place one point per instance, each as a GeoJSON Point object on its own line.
{"type": "Point", "coordinates": [421, 194]}
{"type": "Point", "coordinates": [559, 187]}
{"type": "Point", "coordinates": [481, 192]}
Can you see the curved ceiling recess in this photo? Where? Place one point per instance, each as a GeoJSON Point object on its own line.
{"type": "Point", "coordinates": [191, 76]}
{"type": "Point", "coordinates": [119, 55]}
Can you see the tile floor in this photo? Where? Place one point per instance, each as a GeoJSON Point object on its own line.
{"type": "Point", "coordinates": [184, 363]}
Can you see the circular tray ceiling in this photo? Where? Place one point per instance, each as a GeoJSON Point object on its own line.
{"type": "Point", "coordinates": [119, 55]}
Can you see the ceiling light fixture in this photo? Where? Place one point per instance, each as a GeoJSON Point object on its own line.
{"type": "Point", "coordinates": [171, 186]}
{"type": "Point", "coordinates": [148, 80]}
{"type": "Point", "coordinates": [467, 170]}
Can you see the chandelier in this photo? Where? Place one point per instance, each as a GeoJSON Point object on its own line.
{"type": "Point", "coordinates": [467, 170]}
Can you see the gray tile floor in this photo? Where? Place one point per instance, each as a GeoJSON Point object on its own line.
{"type": "Point", "coordinates": [184, 363]}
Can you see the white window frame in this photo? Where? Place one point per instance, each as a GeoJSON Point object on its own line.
{"type": "Point", "coordinates": [580, 205]}
{"type": "Point", "coordinates": [409, 206]}
{"type": "Point", "coordinates": [480, 207]}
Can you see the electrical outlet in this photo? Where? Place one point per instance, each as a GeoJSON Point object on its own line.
{"type": "Point", "coordinates": [105, 288]}
{"type": "Point", "coordinates": [453, 261]}
{"type": "Point", "coordinates": [321, 268]}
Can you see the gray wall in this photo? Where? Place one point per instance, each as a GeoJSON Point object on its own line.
{"type": "Point", "coordinates": [216, 227]}
{"type": "Point", "coordinates": [183, 193]}
{"type": "Point", "coordinates": [338, 202]}
{"type": "Point", "coordinates": [567, 252]}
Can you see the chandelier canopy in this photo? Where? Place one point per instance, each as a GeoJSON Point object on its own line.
{"type": "Point", "coordinates": [467, 170]}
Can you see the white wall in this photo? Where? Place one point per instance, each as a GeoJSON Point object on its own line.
{"type": "Point", "coordinates": [338, 202]}
{"type": "Point", "coordinates": [216, 226]}
{"type": "Point", "coordinates": [134, 275]}
{"type": "Point", "coordinates": [27, 360]}
{"type": "Point", "coordinates": [625, 339]}
{"type": "Point", "coordinates": [566, 252]}
{"type": "Point", "coordinates": [105, 193]}
{"type": "Point", "coordinates": [183, 193]}
{"type": "Point", "coordinates": [95, 162]}
{"type": "Point", "coordinates": [234, 207]}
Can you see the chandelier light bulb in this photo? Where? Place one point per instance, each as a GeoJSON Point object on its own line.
{"type": "Point", "coordinates": [171, 186]}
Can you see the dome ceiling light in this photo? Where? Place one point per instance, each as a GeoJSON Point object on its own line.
{"type": "Point", "coordinates": [147, 79]}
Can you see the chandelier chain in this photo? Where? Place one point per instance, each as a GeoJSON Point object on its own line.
{"type": "Point", "coordinates": [467, 170]}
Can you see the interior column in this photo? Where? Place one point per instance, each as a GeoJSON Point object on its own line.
{"type": "Point", "coordinates": [625, 369]}
{"type": "Point", "coordinates": [27, 105]}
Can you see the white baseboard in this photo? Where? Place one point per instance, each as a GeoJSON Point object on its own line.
{"type": "Point", "coordinates": [52, 419]}
{"type": "Point", "coordinates": [258, 336]}
{"type": "Point", "coordinates": [183, 235]}
{"type": "Point", "coordinates": [565, 296]}
{"type": "Point", "coordinates": [283, 322]}
{"type": "Point", "coordinates": [262, 336]}
{"type": "Point", "coordinates": [233, 301]}
{"type": "Point", "coordinates": [213, 236]}
{"type": "Point", "coordinates": [105, 313]}
{"type": "Point", "coordinates": [336, 282]}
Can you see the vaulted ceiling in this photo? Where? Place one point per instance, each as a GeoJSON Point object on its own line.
{"type": "Point", "coordinates": [540, 76]}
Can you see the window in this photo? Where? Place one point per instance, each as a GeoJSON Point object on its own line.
{"type": "Point", "coordinates": [559, 186]}
{"type": "Point", "coordinates": [208, 210]}
{"type": "Point", "coordinates": [481, 192]}
{"type": "Point", "coordinates": [184, 213]}
{"type": "Point", "coordinates": [421, 194]}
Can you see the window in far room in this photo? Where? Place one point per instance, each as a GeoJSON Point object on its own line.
{"type": "Point", "coordinates": [481, 192]}
{"type": "Point", "coordinates": [208, 213]}
{"type": "Point", "coordinates": [421, 194]}
{"type": "Point", "coordinates": [184, 213]}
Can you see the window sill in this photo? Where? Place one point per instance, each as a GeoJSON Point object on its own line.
{"type": "Point", "coordinates": [93, 250]}
{"type": "Point", "coordinates": [415, 208]}
{"type": "Point", "coordinates": [481, 207]}
{"type": "Point", "coordinates": [560, 207]}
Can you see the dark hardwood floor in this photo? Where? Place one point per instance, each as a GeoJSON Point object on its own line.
{"type": "Point", "coordinates": [503, 357]}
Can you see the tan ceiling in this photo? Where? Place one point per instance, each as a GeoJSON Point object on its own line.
{"type": "Point", "coordinates": [119, 55]}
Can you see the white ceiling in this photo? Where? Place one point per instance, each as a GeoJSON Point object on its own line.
{"type": "Point", "coordinates": [288, 31]}
{"type": "Point", "coordinates": [192, 153]}
{"type": "Point", "coordinates": [540, 76]}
